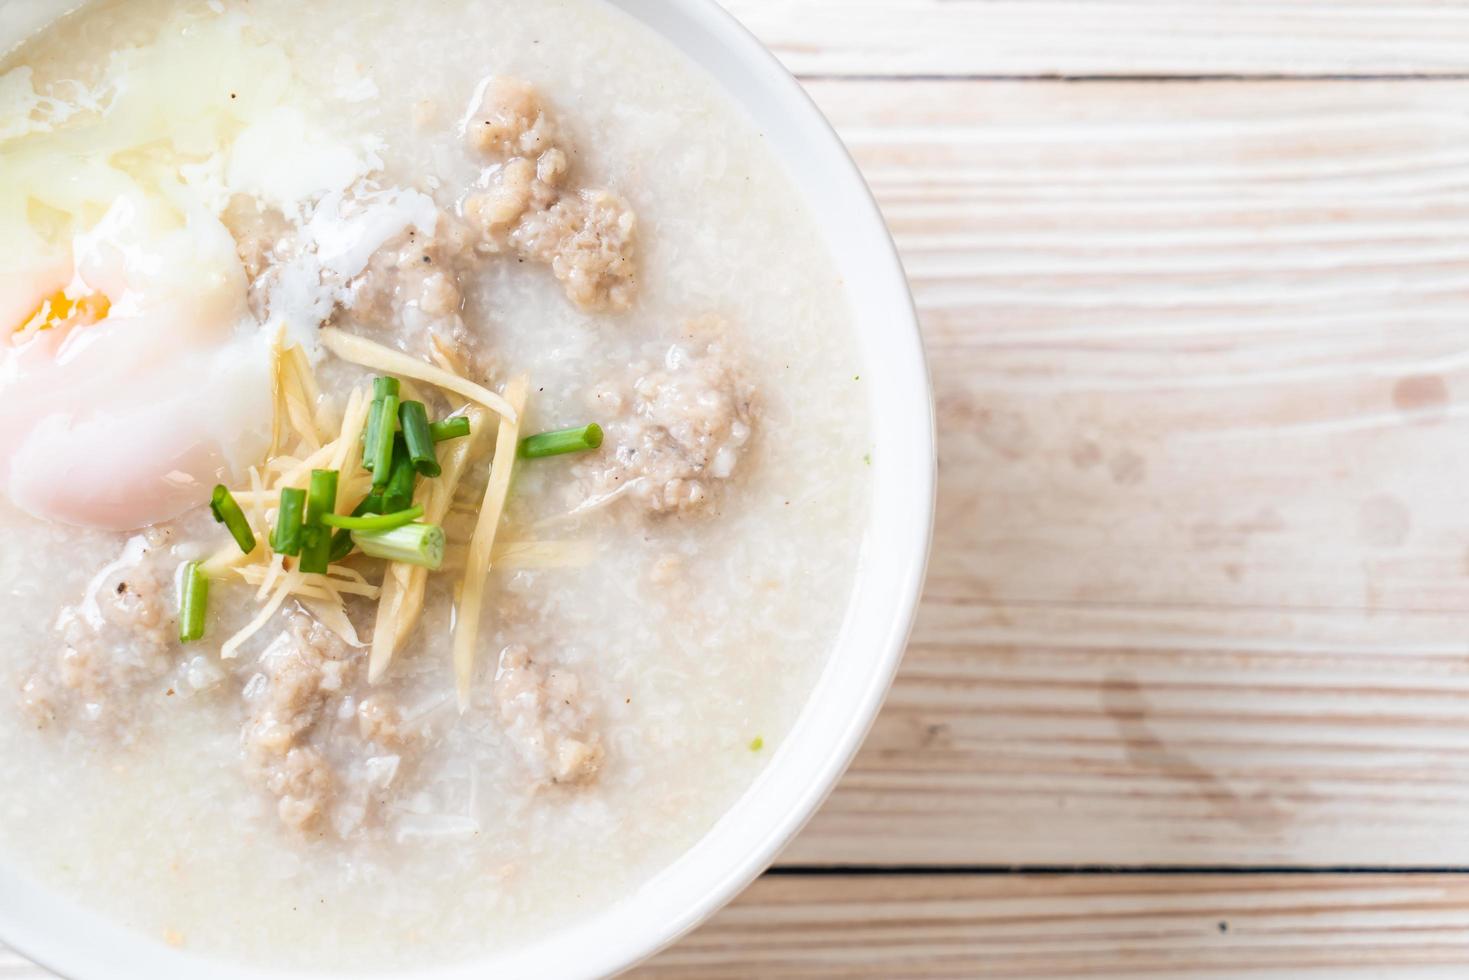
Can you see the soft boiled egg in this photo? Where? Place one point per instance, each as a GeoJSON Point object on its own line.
{"type": "Point", "coordinates": [141, 383]}
{"type": "Point", "coordinates": [133, 376]}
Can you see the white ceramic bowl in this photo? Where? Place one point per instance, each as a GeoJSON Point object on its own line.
{"type": "Point", "coordinates": [80, 945]}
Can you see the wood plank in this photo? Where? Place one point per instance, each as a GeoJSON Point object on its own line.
{"type": "Point", "coordinates": [1199, 344]}
{"type": "Point", "coordinates": [1087, 735]}
{"type": "Point", "coordinates": [1109, 37]}
{"type": "Point", "coordinates": [1196, 926]}
{"type": "Point", "coordinates": [1201, 575]}
{"type": "Point", "coordinates": [1256, 926]}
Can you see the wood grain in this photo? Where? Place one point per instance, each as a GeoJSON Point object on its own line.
{"type": "Point", "coordinates": [1192, 344]}
{"type": "Point", "coordinates": [1029, 926]}
{"type": "Point", "coordinates": [1199, 587]}
{"type": "Point", "coordinates": [1119, 926]}
{"type": "Point", "coordinates": [1089, 735]}
{"type": "Point", "coordinates": [1110, 37]}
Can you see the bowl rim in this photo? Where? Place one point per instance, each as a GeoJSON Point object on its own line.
{"type": "Point", "coordinates": [76, 942]}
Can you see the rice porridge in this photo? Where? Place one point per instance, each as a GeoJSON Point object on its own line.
{"type": "Point", "coordinates": [433, 471]}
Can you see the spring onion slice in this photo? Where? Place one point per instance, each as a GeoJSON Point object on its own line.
{"type": "Point", "coordinates": [456, 427]}
{"type": "Point", "coordinates": [378, 419]}
{"type": "Point", "coordinates": [375, 522]}
{"type": "Point", "coordinates": [561, 441]}
{"type": "Point", "coordinates": [316, 537]}
{"type": "Point", "coordinates": [341, 546]}
{"type": "Point", "coordinates": [398, 493]}
{"type": "Point", "coordinates": [417, 439]}
{"type": "Point", "coordinates": [227, 511]}
{"type": "Point", "coordinates": [193, 602]}
{"type": "Point", "coordinates": [382, 447]}
{"type": "Point", "coordinates": [316, 549]}
{"type": "Point", "coordinates": [286, 539]}
{"type": "Point", "coordinates": [412, 544]}
{"type": "Point", "coordinates": [321, 499]}
{"type": "Point", "coordinates": [342, 541]}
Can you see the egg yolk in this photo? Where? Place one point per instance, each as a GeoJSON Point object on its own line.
{"type": "Point", "coordinates": [60, 310]}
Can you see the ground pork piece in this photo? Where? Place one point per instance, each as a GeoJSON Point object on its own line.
{"type": "Point", "coordinates": [310, 742]}
{"type": "Point", "coordinates": [262, 236]}
{"type": "Point", "coordinates": [547, 718]}
{"type": "Point", "coordinates": [416, 282]}
{"type": "Point", "coordinates": [300, 669]}
{"type": "Point", "coordinates": [512, 121]}
{"type": "Point", "coordinates": [675, 435]}
{"type": "Point", "coordinates": [519, 189]}
{"type": "Point", "coordinates": [411, 283]}
{"type": "Point", "coordinates": [311, 266]}
{"type": "Point", "coordinates": [119, 638]}
{"type": "Point", "coordinates": [379, 720]}
{"type": "Point", "coordinates": [586, 236]}
{"type": "Point", "coordinates": [587, 239]}
{"type": "Point", "coordinates": [300, 672]}
{"type": "Point", "coordinates": [266, 241]}
{"type": "Point", "coordinates": [303, 782]}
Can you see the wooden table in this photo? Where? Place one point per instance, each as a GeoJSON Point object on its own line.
{"type": "Point", "coordinates": [1189, 693]}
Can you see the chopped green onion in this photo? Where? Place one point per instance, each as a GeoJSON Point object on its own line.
{"type": "Point", "coordinates": [316, 549]}
{"type": "Point", "coordinates": [455, 427]}
{"type": "Point", "coordinates": [372, 437]}
{"type": "Point", "coordinates": [417, 438]}
{"type": "Point", "coordinates": [561, 441]}
{"type": "Point", "coordinates": [414, 544]}
{"type": "Point", "coordinates": [227, 512]}
{"type": "Point", "coordinates": [398, 494]}
{"type": "Point", "coordinates": [286, 539]}
{"type": "Point", "coordinates": [321, 499]}
{"type": "Point", "coordinates": [342, 541]}
{"type": "Point", "coordinates": [375, 522]}
{"type": "Point", "coordinates": [193, 602]}
{"type": "Point", "coordinates": [341, 546]}
{"type": "Point", "coordinates": [383, 445]}
{"type": "Point", "coordinates": [369, 435]}
{"type": "Point", "coordinates": [316, 538]}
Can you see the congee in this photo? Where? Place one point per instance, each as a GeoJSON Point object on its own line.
{"type": "Point", "coordinates": [433, 465]}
